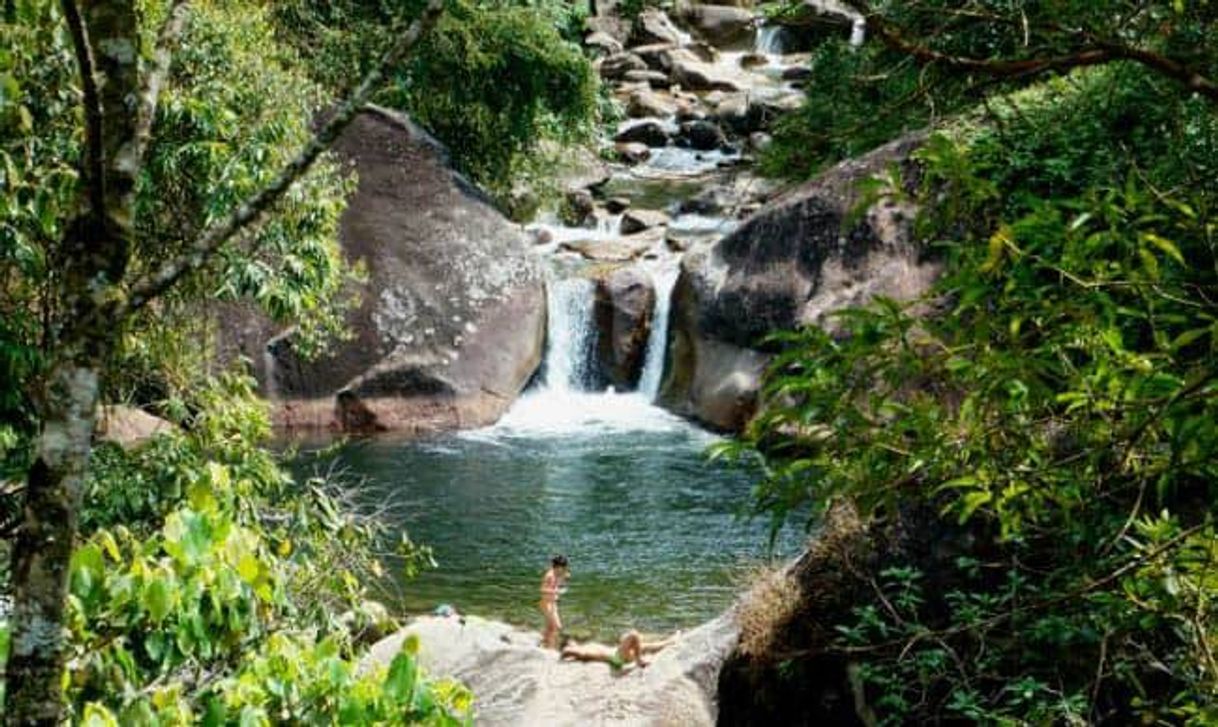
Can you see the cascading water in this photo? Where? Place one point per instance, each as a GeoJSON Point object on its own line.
{"type": "Point", "coordinates": [657, 340]}
{"type": "Point", "coordinates": [563, 403]}
{"type": "Point", "coordinates": [570, 335]}
{"type": "Point", "coordinates": [769, 40]}
{"type": "Point", "coordinates": [858, 32]}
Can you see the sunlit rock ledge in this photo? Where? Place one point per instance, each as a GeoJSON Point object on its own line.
{"type": "Point", "coordinates": [516, 682]}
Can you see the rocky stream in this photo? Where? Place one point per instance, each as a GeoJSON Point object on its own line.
{"type": "Point", "coordinates": [552, 387]}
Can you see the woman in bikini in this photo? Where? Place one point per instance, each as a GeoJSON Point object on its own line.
{"type": "Point", "coordinates": [551, 585]}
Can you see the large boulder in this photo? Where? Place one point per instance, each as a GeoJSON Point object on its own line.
{"type": "Point", "coordinates": [654, 26]}
{"type": "Point", "coordinates": [129, 427]}
{"type": "Point", "coordinates": [814, 22]}
{"type": "Point", "coordinates": [649, 131]}
{"type": "Point", "coordinates": [515, 682]}
{"type": "Point", "coordinates": [697, 75]}
{"type": "Point", "coordinates": [616, 66]}
{"type": "Point", "coordinates": [789, 265]}
{"type": "Point", "coordinates": [644, 104]}
{"type": "Point", "coordinates": [623, 309]}
{"type": "Point", "coordinates": [450, 322]}
{"type": "Point", "coordinates": [722, 25]}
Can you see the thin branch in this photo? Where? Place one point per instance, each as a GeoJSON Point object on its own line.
{"type": "Point", "coordinates": [154, 79]}
{"type": "Point", "coordinates": [1098, 52]}
{"type": "Point", "coordinates": [252, 209]}
{"type": "Point", "coordinates": [95, 175]}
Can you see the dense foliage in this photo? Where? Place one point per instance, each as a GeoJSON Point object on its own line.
{"type": "Point", "coordinates": [234, 111]}
{"type": "Point", "coordinates": [1055, 397]}
{"type": "Point", "coordinates": [496, 77]}
{"type": "Point", "coordinates": [206, 584]}
{"type": "Point", "coordinates": [930, 59]}
{"type": "Point", "coordinates": [212, 587]}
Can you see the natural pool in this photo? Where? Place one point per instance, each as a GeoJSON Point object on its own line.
{"type": "Point", "coordinates": [622, 487]}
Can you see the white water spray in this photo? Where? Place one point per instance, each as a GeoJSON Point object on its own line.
{"type": "Point", "coordinates": [768, 41]}
{"type": "Point", "coordinates": [562, 403]}
{"type": "Point", "coordinates": [657, 340]}
{"type": "Point", "coordinates": [570, 335]}
{"type": "Point", "coordinates": [858, 32]}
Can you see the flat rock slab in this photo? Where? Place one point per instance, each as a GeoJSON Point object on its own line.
{"type": "Point", "coordinates": [515, 682]}
{"type": "Point", "coordinates": [608, 250]}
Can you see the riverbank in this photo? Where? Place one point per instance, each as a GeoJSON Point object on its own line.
{"type": "Point", "coordinates": [515, 682]}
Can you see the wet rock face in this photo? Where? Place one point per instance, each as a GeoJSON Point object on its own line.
{"type": "Point", "coordinates": [702, 135]}
{"type": "Point", "coordinates": [789, 265]}
{"type": "Point", "coordinates": [644, 131]}
{"type": "Point", "coordinates": [451, 321]}
{"type": "Point", "coordinates": [623, 308]}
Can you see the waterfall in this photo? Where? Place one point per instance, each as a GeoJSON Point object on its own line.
{"type": "Point", "coordinates": [570, 335]}
{"type": "Point", "coordinates": [769, 40]}
{"type": "Point", "coordinates": [270, 385]}
{"type": "Point", "coordinates": [657, 340]}
{"type": "Point", "coordinates": [858, 32]}
{"type": "Point", "coordinates": [563, 403]}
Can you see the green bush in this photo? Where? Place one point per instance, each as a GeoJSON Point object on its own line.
{"type": "Point", "coordinates": [212, 587]}
{"type": "Point", "coordinates": [1060, 406]}
{"type": "Point", "coordinates": [490, 82]}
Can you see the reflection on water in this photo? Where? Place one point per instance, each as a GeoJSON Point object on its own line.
{"type": "Point", "coordinates": [621, 487]}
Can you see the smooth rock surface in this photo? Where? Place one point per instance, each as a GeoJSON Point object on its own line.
{"type": "Point", "coordinates": [791, 264]}
{"type": "Point", "coordinates": [654, 26]}
{"type": "Point", "coordinates": [450, 323]}
{"type": "Point", "coordinates": [634, 221]}
{"type": "Point", "coordinates": [129, 427]}
{"type": "Point", "coordinates": [623, 309]}
{"type": "Point", "coordinates": [610, 251]}
{"type": "Point", "coordinates": [722, 25]}
{"type": "Point", "coordinates": [651, 132]}
{"type": "Point", "coordinates": [515, 682]}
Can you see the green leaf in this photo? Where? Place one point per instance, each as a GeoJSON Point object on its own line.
{"type": "Point", "coordinates": [1163, 244]}
{"type": "Point", "coordinates": [88, 571]}
{"type": "Point", "coordinates": [400, 682]}
{"type": "Point", "coordinates": [160, 597]}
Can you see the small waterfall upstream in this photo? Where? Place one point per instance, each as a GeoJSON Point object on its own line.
{"type": "Point", "coordinates": [570, 336]}
{"type": "Point", "coordinates": [657, 341]}
{"type": "Point", "coordinates": [769, 40]}
{"type": "Point", "coordinates": [564, 401]}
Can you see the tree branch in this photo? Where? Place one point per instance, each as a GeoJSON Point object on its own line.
{"type": "Point", "coordinates": [205, 246]}
{"type": "Point", "coordinates": [1097, 51]}
{"type": "Point", "coordinates": [154, 79]}
{"type": "Point", "coordinates": [95, 175]}
{"type": "Point", "coordinates": [1164, 65]}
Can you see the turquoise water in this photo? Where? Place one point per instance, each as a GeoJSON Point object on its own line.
{"type": "Point", "coordinates": [621, 487]}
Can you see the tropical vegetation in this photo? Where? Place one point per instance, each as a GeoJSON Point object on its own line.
{"type": "Point", "coordinates": [1055, 397]}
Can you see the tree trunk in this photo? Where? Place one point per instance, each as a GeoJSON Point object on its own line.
{"type": "Point", "coordinates": [43, 548]}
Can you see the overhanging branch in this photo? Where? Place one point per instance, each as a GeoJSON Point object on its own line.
{"type": "Point", "coordinates": [205, 246]}
{"type": "Point", "coordinates": [1093, 51]}
{"type": "Point", "coordinates": [154, 79]}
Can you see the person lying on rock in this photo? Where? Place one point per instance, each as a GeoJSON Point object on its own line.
{"type": "Point", "coordinates": [631, 648]}
{"type": "Point", "coordinates": [552, 584]}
